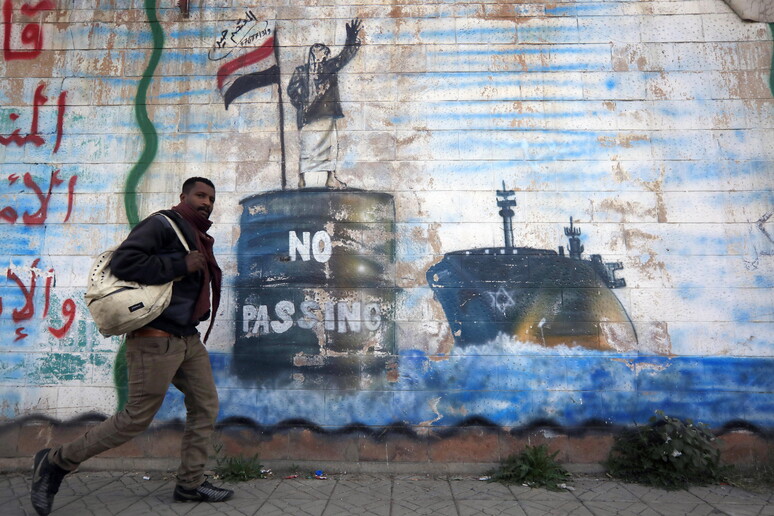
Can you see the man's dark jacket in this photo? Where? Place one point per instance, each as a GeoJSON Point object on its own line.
{"type": "Point", "coordinates": [152, 254]}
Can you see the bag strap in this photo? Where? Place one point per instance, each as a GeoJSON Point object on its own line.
{"type": "Point", "coordinates": [177, 232]}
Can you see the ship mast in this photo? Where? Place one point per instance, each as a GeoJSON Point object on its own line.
{"type": "Point", "coordinates": [505, 204]}
{"type": "Point", "coordinates": [576, 249]}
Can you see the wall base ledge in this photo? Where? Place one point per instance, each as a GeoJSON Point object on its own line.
{"type": "Point", "coordinates": [471, 450]}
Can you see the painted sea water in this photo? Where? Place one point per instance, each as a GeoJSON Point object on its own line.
{"type": "Point", "coordinates": [516, 384]}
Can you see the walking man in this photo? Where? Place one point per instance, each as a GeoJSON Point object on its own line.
{"type": "Point", "coordinates": [167, 350]}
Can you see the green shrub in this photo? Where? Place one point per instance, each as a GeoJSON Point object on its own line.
{"type": "Point", "coordinates": [237, 469]}
{"type": "Point", "coordinates": [534, 467]}
{"type": "Point", "coordinates": [667, 453]}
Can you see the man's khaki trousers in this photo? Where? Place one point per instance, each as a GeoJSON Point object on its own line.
{"type": "Point", "coordinates": [153, 363]}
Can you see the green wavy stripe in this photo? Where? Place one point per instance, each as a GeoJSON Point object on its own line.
{"type": "Point", "coordinates": [771, 70]}
{"type": "Point", "coordinates": [141, 113]}
{"type": "Point", "coordinates": [120, 376]}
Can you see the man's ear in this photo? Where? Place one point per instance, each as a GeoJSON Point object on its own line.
{"type": "Point", "coordinates": [181, 197]}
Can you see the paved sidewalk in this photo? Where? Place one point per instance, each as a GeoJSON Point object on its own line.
{"type": "Point", "coordinates": [130, 494]}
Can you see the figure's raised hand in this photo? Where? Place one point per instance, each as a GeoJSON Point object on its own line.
{"type": "Point", "coordinates": [353, 28]}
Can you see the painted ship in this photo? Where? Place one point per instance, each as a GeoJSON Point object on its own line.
{"type": "Point", "coordinates": [541, 296]}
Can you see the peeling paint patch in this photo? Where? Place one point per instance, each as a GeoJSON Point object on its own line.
{"type": "Point", "coordinates": [626, 142]}
{"type": "Point", "coordinates": [60, 367]}
{"type": "Point", "coordinates": [433, 404]}
{"type": "Point", "coordinates": [626, 209]}
{"type": "Point", "coordinates": [638, 367]}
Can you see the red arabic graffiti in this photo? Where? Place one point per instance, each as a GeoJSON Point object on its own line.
{"type": "Point", "coordinates": [33, 137]}
{"type": "Point", "coordinates": [68, 310]}
{"type": "Point", "coordinates": [10, 214]}
{"type": "Point", "coordinates": [61, 103]}
{"type": "Point", "coordinates": [29, 309]}
{"type": "Point", "coordinates": [27, 312]}
{"type": "Point", "coordinates": [24, 40]}
{"type": "Point", "coordinates": [31, 33]}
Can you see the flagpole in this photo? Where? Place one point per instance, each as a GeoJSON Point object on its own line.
{"type": "Point", "coordinates": [281, 110]}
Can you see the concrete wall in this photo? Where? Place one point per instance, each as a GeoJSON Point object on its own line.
{"type": "Point", "coordinates": [649, 123]}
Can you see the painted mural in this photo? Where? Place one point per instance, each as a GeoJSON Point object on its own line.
{"type": "Point", "coordinates": [503, 212]}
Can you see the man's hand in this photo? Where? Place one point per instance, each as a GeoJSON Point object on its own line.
{"type": "Point", "coordinates": [353, 28]}
{"type": "Point", "coordinates": [195, 261]}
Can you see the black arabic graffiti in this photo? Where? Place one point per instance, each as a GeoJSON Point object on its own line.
{"type": "Point", "coordinates": [231, 39]}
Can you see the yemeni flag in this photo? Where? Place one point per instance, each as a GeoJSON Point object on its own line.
{"type": "Point", "coordinates": [248, 58]}
{"type": "Point", "coordinates": [246, 53]}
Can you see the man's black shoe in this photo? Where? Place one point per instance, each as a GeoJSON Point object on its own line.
{"type": "Point", "coordinates": [46, 479]}
{"type": "Point", "coordinates": [204, 493]}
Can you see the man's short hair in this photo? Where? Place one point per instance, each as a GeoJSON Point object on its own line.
{"type": "Point", "coordinates": [189, 183]}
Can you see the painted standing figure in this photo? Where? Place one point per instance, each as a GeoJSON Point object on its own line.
{"type": "Point", "coordinates": [314, 92]}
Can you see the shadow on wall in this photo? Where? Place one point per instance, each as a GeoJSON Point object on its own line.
{"type": "Point", "coordinates": [475, 441]}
